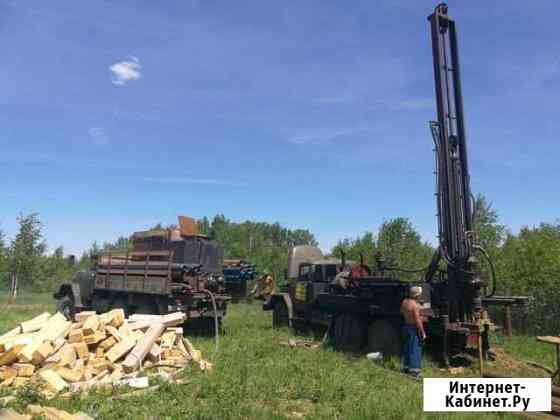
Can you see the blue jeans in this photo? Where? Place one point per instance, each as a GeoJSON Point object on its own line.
{"type": "Point", "coordinates": [412, 349]}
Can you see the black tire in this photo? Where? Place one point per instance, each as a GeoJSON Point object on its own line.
{"type": "Point", "coordinates": [66, 307]}
{"type": "Point", "coordinates": [348, 333]}
{"type": "Point", "coordinates": [280, 316]}
{"type": "Point", "coordinates": [384, 337]}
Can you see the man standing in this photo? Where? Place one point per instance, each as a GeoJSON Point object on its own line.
{"type": "Point", "coordinates": [413, 333]}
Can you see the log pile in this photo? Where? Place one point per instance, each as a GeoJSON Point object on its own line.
{"type": "Point", "coordinates": [107, 349]}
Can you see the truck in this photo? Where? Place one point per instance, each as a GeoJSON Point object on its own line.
{"type": "Point", "coordinates": [362, 306]}
{"type": "Point", "coordinates": [166, 270]}
{"type": "Point", "coordinates": [237, 275]}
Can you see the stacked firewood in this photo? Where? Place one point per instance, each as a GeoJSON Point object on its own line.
{"type": "Point", "coordinates": [107, 349]}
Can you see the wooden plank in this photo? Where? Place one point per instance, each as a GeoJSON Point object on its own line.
{"type": "Point", "coordinates": [70, 375]}
{"type": "Point", "coordinates": [120, 349]}
{"type": "Point", "coordinates": [34, 324]}
{"type": "Point", "coordinates": [67, 355]}
{"type": "Point", "coordinates": [154, 354]}
{"type": "Point", "coordinates": [82, 316]}
{"type": "Point", "coordinates": [549, 339]}
{"type": "Point", "coordinates": [24, 369]}
{"type": "Point", "coordinates": [12, 355]}
{"type": "Point", "coordinates": [91, 325]}
{"type": "Point", "coordinates": [138, 354]}
{"type": "Point", "coordinates": [53, 380]}
{"type": "Point", "coordinates": [81, 350]}
{"type": "Point", "coordinates": [113, 332]}
{"type": "Point", "coordinates": [107, 343]}
{"type": "Point", "coordinates": [140, 325]}
{"type": "Point", "coordinates": [75, 336]}
{"type": "Point", "coordinates": [95, 338]}
{"type": "Point", "coordinates": [11, 333]}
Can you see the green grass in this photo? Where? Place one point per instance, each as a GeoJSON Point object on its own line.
{"type": "Point", "coordinates": [255, 377]}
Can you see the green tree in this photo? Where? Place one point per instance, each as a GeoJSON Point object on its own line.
{"type": "Point", "coordinates": [26, 250]}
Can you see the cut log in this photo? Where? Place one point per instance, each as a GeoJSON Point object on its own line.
{"type": "Point", "coordinates": [99, 352]}
{"type": "Point", "coordinates": [194, 353]}
{"type": "Point", "coordinates": [53, 380]}
{"type": "Point", "coordinates": [95, 337]}
{"type": "Point", "coordinates": [24, 369]}
{"type": "Point", "coordinates": [11, 333]}
{"type": "Point", "coordinates": [67, 356]}
{"type": "Point", "coordinates": [81, 350]}
{"type": "Point", "coordinates": [82, 316]}
{"type": "Point", "coordinates": [8, 373]}
{"type": "Point", "coordinates": [34, 324]}
{"type": "Point", "coordinates": [167, 339]}
{"type": "Point", "coordinates": [137, 355]}
{"type": "Point", "coordinates": [113, 332]}
{"type": "Point", "coordinates": [91, 325]}
{"type": "Point", "coordinates": [114, 318]}
{"type": "Point", "coordinates": [42, 352]}
{"type": "Point", "coordinates": [70, 375]}
{"type": "Point", "coordinates": [107, 343]}
{"type": "Point", "coordinates": [9, 342]}
{"type": "Point", "coordinates": [120, 349]}
{"type": "Point", "coordinates": [140, 325]}
{"type": "Point", "coordinates": [75, 336]}
{"type": "Point", "coordinates": [12, 355]}
{"type": "Point", "coordinates": [175, 318]}
{"type": "Point", "coordinates": [154, 354]}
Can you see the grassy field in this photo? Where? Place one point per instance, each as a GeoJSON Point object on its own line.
{"type": "Point", "coordinates": [257, 377]}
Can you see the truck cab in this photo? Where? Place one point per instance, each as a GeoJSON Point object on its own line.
{"type": "Point", "coordinates": [309, 273]}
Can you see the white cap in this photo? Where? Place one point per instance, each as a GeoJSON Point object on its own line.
{"type": "Point", "coordinates": [415, 291]}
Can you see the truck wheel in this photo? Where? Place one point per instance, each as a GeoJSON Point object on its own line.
{"type": "Point", "coordinates": [66, 307]}
{"type": "Point", "coordinates": [384, 337]}
{"type": "Point", "coordinates": [348, 333]}
{"type": "Point", "coordinates": [280, 317]}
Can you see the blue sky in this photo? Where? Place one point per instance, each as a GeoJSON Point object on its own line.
{"type": "Point", "coordinates": [115, 115]}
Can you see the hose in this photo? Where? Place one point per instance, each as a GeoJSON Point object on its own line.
{"type": "Point", "coordinates": [216, 323]}
{"type": "Point", "coordinates": [492, 270]}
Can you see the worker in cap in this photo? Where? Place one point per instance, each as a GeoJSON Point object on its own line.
{"type": "Point", "coordinates": [413, 332]}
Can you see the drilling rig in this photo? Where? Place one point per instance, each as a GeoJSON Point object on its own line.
{"type": "Point", "coordinates": [364, 308]}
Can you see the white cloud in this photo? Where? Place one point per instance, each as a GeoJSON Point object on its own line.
{"type": "Point", "coordinates": [98, 136]}
{"type": "Point", "coordinates": [125, 71]}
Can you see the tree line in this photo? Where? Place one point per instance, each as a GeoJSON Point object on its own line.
{"type": "Point", "coordinates": [526, 263]}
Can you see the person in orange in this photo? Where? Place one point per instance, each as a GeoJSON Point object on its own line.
{"type": "Point", "coordinates": [413, 333]}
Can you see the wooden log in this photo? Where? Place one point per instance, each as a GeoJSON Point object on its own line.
{"type": "Point", "coordinates": [53, 380]}
{"type": "Point", "coordinates": [154, 354]}
{"type": "Point", "coordinates": [81, 350]}
{"type": "Point", "coordinates": [9, 342]}
{"type": "Point", "coordinates": [167, 339]}
{"type": "Point", "coordinates": [138, 354]}
{"type": "Point", "coordinates": [70, 375]}
{"type": "Point", "coordinates": [173, 319]}
{"type": "Point", "coordinates": [55, 328]}
{"type": "Point", "coordinates": [34, 324]}
{"type": "Point", "coordinates": [99, 352]}
{"type": "Point", "coordinates": [11, 333]}
{"type": "Point", "coordinates": [140, 325]}
{"type": "Point", "coordinates": [82, 316]}
{"type": "Point", "coordinates": [8, 373]}
{"type": "Point", "coordinates": [120, 349]}
{"type": "Point", "coordinates": [24, 369]}
{"type": "Point", "coordinates": [95, 338]}
{"type": "Point", "coordinates": [42, 352]}
{"type": "Point", "coordinates": [91, 325]}
{"type": "Point", "coordinates": [67, 356]}
{"type": "Point", "coordinates": [12, 355]}
{"type": "Point", "coordinates": [195, 354]}
{"type": "Point", "coordinates": [75, 336]}
{"type": "Point", "coordinates": [107, 343]}
{"type": "Point", "coordinates": [113, 332]}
